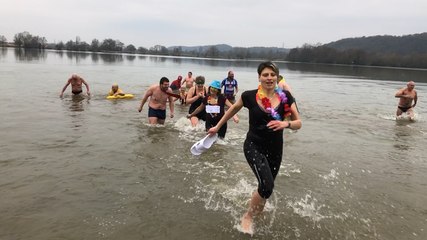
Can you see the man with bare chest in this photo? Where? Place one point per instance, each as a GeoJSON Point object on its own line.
{"type": "Point", "coordinates": [159, 95]}
{"type": "Point", "coordinates": [76, 83]}
{"type": "Point", "coordinates": [406, 97]}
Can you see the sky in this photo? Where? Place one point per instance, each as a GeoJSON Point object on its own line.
{"type": "Point", "coordinates": [238, 23]}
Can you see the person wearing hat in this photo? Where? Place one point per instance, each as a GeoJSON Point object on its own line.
{"type": "Point", "coordinates": [214, 106]}
{"type": "Point", "coordinates": [176, 89]}
{"type": "Point", "coordinates": [195, 97]}
{"type": "Point", "coordinates": [115, 90]}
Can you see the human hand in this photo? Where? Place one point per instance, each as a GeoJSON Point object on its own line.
{"type": "Point", "coordinates": [188, 115]}
{"type": "Point", "coordinates": [61, 95]}
{"type": "Point", "coordinates": [276, 125]}
{"type": "Point", "coordinates": [212, 130]}
{"type": "Point", "coordinates": [236, 119]}
{"type": "Point", "coordinates": [140, 109]}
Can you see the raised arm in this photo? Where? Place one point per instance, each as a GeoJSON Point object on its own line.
{"type": "Point", "coordinates": [399, 94]}
{"type": "Point", "coordinates": [191, 97]}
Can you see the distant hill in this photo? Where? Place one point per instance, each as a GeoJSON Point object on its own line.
{"type": "Point", "coordinates": [402, 45]}
{"type": "Point", "coordinates": [228, 48]}
{"type": "Point", "coordinates": [219, 47]}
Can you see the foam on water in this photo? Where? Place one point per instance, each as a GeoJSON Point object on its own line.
{"type": "Point", "coordinates": [307, 207]}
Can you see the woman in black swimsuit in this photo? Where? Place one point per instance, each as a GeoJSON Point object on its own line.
{"type": "Point", "coordinates": [195, 97]}
{"type": "Point", "coordinates": [268, 106]}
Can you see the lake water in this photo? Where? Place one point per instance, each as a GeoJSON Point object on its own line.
{"type": "Point", "coordinates": [91, 168]}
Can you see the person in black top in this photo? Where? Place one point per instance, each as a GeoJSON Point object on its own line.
{"type": "Point", "coordinates": [269, 108]}
{"type": "Point", "coordinates": [214, 106]}
{"type": "Point", "coordinates": [195, 97]}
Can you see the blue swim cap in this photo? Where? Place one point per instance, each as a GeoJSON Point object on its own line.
{"type": "Point", "coordinates": [216, 84]}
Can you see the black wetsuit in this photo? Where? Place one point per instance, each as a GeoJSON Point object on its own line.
{"type": "Point", "coordinates": [213, 118]}
{"type": "Point", "coordinates": [202, 114]}
{"type": "Point", "coordinates": [263, 147]}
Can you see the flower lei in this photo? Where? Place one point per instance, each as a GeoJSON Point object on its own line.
{"type": "Point", "coordinates": [267, 104]}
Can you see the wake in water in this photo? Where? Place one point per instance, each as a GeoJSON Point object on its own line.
{"type": "Point", "coordinates": [402, 118]}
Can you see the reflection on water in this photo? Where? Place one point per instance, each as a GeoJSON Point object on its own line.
{"type": "Point", "coordinates": [130, 57]}
{"type": "Point", "coordinates": [111, 58]}
{"type": "Point", "coordinates": [381, 73]}
{"type": "Point", "coordinates": [22, 54]}
{"type": "Point", "coordinates": [77, 103]}
{"type": "Point", "coordinates": [95, 57]}
{"type": "Point", "coordinates": [403, 135]}
{"type": "Point", "coordinates": [3, 52]}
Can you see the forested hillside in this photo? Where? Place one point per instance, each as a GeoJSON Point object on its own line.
{"type": "Point", "coordinates": [408, 44]}
{"type": "Point", "coordinates": [408, 51]}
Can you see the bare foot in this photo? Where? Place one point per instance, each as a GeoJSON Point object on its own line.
{"type": "Point", "coordinates": [247, 224]}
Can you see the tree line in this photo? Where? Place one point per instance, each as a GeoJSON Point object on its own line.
{"type": "Point", "coordinates": [358, 51]}
{"type": "Point", "coordinates": [328, 55]}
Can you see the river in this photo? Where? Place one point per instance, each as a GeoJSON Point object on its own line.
{"type": "Point", "coordinates": [91, 168]}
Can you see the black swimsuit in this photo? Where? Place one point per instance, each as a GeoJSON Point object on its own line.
{"type": "Point", "coordinates": [213, 119]}
{"type": "Point", "coordinates": [404, 109]}
{"type": "Point", "coordinates": [202, 114]}
{"type": "Point", "coordinates": [263, 147]}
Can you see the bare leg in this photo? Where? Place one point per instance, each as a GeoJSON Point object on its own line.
{"type": "Point", "coordinates": [411, 114]}
{"type": "Point", "coordinates": [152, 120]}
{"type": "Point", "coordinates": [256, 206]}
{"type": "Point", "coordinates": [194, 121]}
{"type": "Point", "coordinates": [398, 112]}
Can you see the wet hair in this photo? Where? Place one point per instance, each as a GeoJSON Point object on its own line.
{"type": "Point", "coordinates": [271, 65]}
{"type": "Point", "coordinates": [163, 79]}
{"type": "Point", "coordinates": [200, 80]}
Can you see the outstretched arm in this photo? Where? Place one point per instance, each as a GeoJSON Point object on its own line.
{"type": "Point", "coordinates": [228, 114]}
{"type": "Point", "coordinates": [64, 88]}
{"type": "Point", "coordinates": [196, 111]}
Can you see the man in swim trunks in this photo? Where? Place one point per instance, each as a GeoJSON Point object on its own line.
{"type": "Point", "coordinates": [406, 96]}
{"type": "Point", "coordinates": [188, 83]}
{"type": "Point", "coordinates": [157, 105]}
{"type": "Point", "coordinates": [76, 85]}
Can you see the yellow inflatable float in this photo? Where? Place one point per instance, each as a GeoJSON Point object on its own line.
{"type": "Point", "coordinates": [126, 96]}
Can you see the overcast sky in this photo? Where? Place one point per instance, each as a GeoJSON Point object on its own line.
{"type": "Point", "coordinates": [239, 23]}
